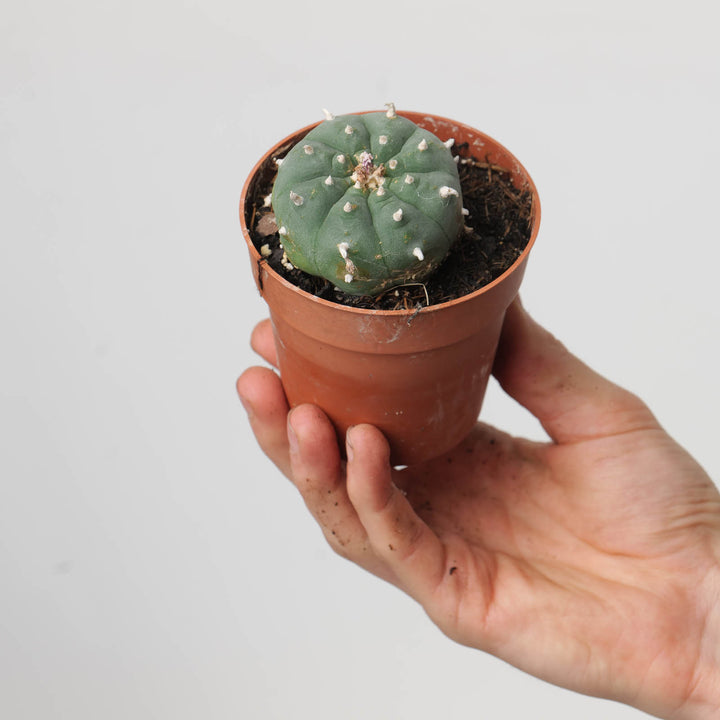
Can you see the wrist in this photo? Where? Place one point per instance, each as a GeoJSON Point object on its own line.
{"type": "Point", "coordinates": [703, 699]}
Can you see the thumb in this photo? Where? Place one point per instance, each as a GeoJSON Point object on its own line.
{"type": "Point", "coordinates": [571, 400]}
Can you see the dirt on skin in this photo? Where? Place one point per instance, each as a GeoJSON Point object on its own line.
{"type": "Point", "coordinates": [497, 229]}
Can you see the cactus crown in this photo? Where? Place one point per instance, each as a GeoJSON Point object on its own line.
{"type": "Point", "coordinates": [368, 202]}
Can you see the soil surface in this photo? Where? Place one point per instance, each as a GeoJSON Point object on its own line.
{"type": "Point", "coordinates": [497, 230]}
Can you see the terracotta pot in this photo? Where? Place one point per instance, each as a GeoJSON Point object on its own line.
{"type": "Point", "coordinates": [419, 377]}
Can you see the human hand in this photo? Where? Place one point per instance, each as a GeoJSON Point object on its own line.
{"type": "Point", "coordinates": [591, 561]}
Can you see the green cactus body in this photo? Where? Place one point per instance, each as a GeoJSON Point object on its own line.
{"type": "Point", "coordinates": [368, 202]}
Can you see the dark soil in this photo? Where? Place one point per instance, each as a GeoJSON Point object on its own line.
{"type": "Point", "coordinates": [497, 230]}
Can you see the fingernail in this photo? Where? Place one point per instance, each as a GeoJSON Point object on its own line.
{"type": "Point", "coordinates": [349, 450]}
{"type": "Point", "coordinates": [292, 437]}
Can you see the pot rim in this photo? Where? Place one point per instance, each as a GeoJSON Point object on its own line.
{"type": "Point", "coordinates": [437, 307]}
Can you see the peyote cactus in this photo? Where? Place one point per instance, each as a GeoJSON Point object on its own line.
{"type": "Point", "coordinates": [368, 201]}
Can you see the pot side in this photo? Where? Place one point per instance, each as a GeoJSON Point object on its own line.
{"type": "Point", "coordinates": [420, 377]}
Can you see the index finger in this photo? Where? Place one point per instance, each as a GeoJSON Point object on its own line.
{"type": "Point", "coordinates": [263, 342]}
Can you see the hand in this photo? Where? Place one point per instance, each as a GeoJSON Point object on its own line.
{"type": "Point", "coordinates": [591, 561]}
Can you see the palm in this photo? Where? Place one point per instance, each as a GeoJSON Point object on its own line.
{"type": "Point", "coordinates": [550, 547]}
{"type": "Point", "coordinates": [590, 561]}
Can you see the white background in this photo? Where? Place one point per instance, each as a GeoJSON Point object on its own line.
{"type": "Point", "coordinates": [153, 564]}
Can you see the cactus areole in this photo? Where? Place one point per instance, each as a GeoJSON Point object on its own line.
{"type": "Point", "coordinates": [368, 202]}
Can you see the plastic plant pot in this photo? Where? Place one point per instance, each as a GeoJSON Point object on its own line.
{"type": "Point", "coordinates": [420, 377]}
